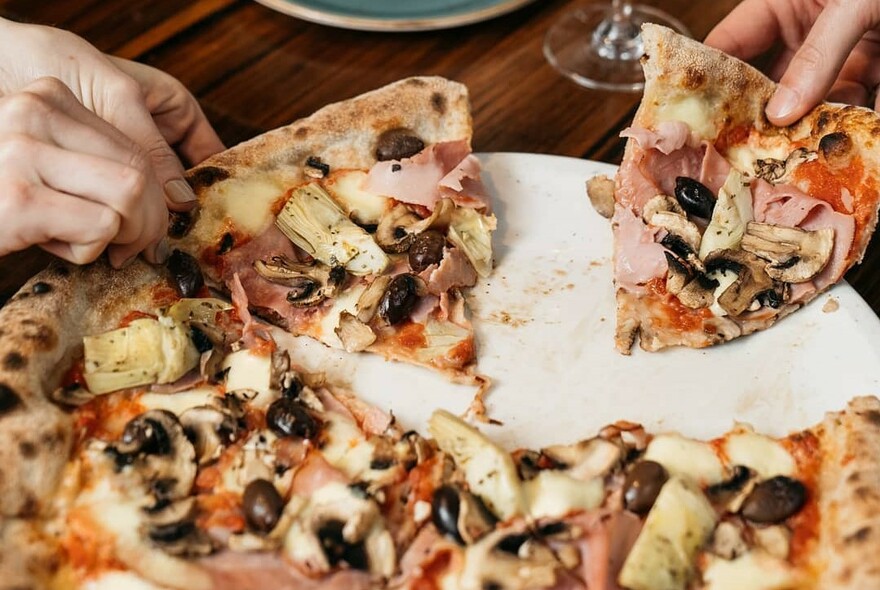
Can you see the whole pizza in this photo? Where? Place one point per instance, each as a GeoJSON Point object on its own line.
{"type": "Point", "coordinates": [154, 435]}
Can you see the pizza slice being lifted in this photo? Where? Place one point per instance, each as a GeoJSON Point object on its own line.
{"type": "Point", "coordinates": [357, 226]}
{"type": "Point", "coordinates": [722, 222]}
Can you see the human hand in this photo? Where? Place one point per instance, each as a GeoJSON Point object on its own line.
{"type": "Point", "coordinates": [151, 108]}
{"type": "Point", "coordinates": [74, 184]}
{"type": "Point", "coordinates": [830, 48]}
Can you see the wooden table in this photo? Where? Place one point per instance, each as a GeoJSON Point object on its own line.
{"type": "Point", "coordinates": [254, 69]}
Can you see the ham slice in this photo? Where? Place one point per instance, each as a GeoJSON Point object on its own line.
{"type": "Point", "coordinates": [789, 206]}
{"type": "Point", "coordinates": [440, 170]}
{"type": "Point", "coordinates": [714, 169]}
{"type": "Point", "coordinates": [258, 571]}
{"type": "Point", "coordinates": [454, 270]}
{"type": "Point", "coordinates": [313, 474]}
{"type": "Point", "coordinates": [607, 541]}
{"type": "Point", "coordinates": [252, 329]}
{"type": "Point", "coordinates": [638, 258]}
{"type": "Point", "coordinates": [669, 137]}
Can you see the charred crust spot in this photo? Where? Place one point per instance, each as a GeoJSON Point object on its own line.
{"type": "Point", "coordinates": [226, 243]}
{"type": "Point", "coordinates": [179, 223]}
{"type": "Point", "coordinates": [694, 78]}
{"type": "Point", "coordinates": [416, 82]}
{"type": "Point", "coordinates": [9, 399]}
{"type": "Point", "coordinates": [30, 507]}
{"type": "Point", "coordinates": [27, 449]}
{"type": "Point", "coordinates": [872, 416]}
{"type": "Point", "coordinates": [13, 361]}
{"type": "Point", "coordinates": [301, 132]}
{"type": "Point", "coordinates": [42, 336]}
{"type": "Point", "coordinates": [854, 477]}
{"type": "Point", "coordinates": [202, 178]}
{"type": "Point", "coordinates": [859, 536]}
{"type": "Point", "coordinates": [865, 493]}
{"type": "Point", "coordinates": [54, 438]}
{"type": "Point", "coordinates": [835, 146]}
{"type": "Point", "coordinates": [61, 270]}
{"type": "Point", "coordinates": [41, 288]}
{"type": "Point", "coordinates": [438, 101]}
{"type": "Point", "coordinates": [823, 120]}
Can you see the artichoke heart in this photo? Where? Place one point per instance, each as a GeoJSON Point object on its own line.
{"type": "Point", "coordinates": [144, 352]}
{"type": "Point", "coordinates": [488, 469]}
{"type": "Point", "coordinates": [201, 310]}
{"type": "Point", "coordinates": [312, 220]}
{"type": "Point", "coordinates": [732, 212]}
{"type": "Point", "coordinates": [472, 232]}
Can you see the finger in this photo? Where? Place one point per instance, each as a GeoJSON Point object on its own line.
{"type": "Point", "coordinates": [76, 253]}
{"type": "Point", "coordinates": [816, 64]}
{"type": "Point", "coordinates": [127, 111]}
{"type": "Point", "coordinates": [125, 189]}
{"type": "Point", "coordinates": [848, 92]}
{"type": "Point", "coordinates": [748, 31]}
{"type": "Point", "coordinates": [73, 221]}
{"type": "Point", "coordinates": [175, 111]}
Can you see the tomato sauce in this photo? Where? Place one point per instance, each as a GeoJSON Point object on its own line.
{"type": "Point", "coordinates": [74, 375]}
{"type": "Point", "coordinates": [132, 316]}
{"type": "Point", "coordinates": [731, 136]}
{"type": "Point", "coordinates": [827, 184]}
{"type": "Point", "coordinates": [105, 416]}
{"type": "Point", "coordinates": [804, 447]}
{"type": "Point", "coordinates": [87, 551]}
{"type": "Point", "coordinates": [222, 510]}
{"type": "Point", "coordinates": [675, 315]}
{"type": "Point", "coordinates": [412, 335]}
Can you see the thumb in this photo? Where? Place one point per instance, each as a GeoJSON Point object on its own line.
{"type": "Point", "coordinates": [815, 66]}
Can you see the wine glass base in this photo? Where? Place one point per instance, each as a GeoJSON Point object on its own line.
{"type": "Point", "coordinates": [591, 48]}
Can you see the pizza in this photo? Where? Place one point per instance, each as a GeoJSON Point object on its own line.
{"type": "Point", "coordinates": [723, 223]}
{"type": "Point", "coordinates": [358, 226]}
{"type": "Point", "coordinates": [152, 440]}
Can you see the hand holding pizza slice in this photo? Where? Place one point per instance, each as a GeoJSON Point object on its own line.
{"type": "Point", "coordinates": [724, 223]}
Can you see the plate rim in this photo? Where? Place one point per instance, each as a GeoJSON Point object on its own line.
{"type": "Point", "coordinates": [401, 25]}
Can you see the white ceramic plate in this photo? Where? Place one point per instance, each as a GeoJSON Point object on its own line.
{"type": "Point", "coordinates": [545, 326]}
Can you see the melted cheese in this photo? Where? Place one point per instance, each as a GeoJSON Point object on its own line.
{"type": "Point", "coordinates": [553, 494]}
{"type": "Point", "coordinates": [347, 188]}
{"type": "Point", "coordinates": [118, 580]}
{"type": "Point", "coordinates": [346, 448]}
{"type": "Point", "coordinates": [751, 571]}
{"type": "Point", "coordinates": [251, 371]}
{"type": "Point", "coordinates": [687, 458]}
{"type": "Point", "coordinates": [743, 157]}
{"type": "Point", "coordinates": [662, 558]}
{"type": "Point", "coordinates": [693, 110]}
{"type": "Point", "coordinates": [725, 279]}
{"type": "Point", "coordinates": [764, 455]}
{"type": "Point", "coordinates": [247, 201]}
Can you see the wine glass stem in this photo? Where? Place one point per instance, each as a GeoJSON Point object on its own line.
{"type": "Point", "coordinates": [618, 37]}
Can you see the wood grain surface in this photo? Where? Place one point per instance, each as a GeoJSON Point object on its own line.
{"type": "Point", "coordinates": [253, 69]}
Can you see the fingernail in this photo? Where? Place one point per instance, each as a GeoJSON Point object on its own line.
{"type": "Point", "coordinates": [162, 251]}
{"type": "Point", "coordinates": [82, 253]}
{"type": "Point", "coordinates": [783, 103]}
{"type": "Point", "coordinates": [179, 191]}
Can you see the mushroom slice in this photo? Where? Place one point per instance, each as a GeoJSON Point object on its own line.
{"type": "Point", "coordinates": [509, 559]}
{"type": "Point", "coordinates": [678, 225]}
{"type": "Point", "coordinates": [392, 234]}
{"type": "Point", "coordinates": [660, 204]}
{"type": "Point", "coordinates": [309, 284]}
{"type": "Point", "coordinates": [586, 459]}
{"type": "Point", "coordinates": [600, 189]}
{"type": "Point", "coordinates": [312, 220]}
{"type": "Point", "coordinates": [353, 333]}
{"type": "Point", "coordinates": [795, 255]}
{"type": "Point", "coordinates": [752, 282]}
{"type": "Point", "coordinates": [368, 302]}
{"type": "Point", "coordinates": [776, 171]}
{"type": "Point", "coordinates": [693, 288]}
{"type": "Point", "coordinates": [209, 430]}
{"type": "Point", "coordinates": [172, 528]}
{"type": "Point", "coordinates": [155, 445]}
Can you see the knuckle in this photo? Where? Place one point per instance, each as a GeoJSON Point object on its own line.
{"type": "Point", "coordinates": [17, 195]}
{"type": "Point", "coordinates": [126, 89]}
{"type": "Point", "coordinates": [17, 147]}
{"type": "Point", "coordinates": [133, 181]}
{"type": "Point", "coordinates": [27, 105]}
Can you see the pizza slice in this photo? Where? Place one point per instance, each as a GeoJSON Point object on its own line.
{"type": "Point", "coordinates": [722, 222]}
{"type": "Point", "coordinates": [358, 226]}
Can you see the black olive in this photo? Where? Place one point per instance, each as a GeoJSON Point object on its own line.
{"type": "Point", "coordinates": [262, 505]}
{"type": "Point", "coordinates": [287, 417]}
{"type": "Point", "coordinates": [399, 299]}
{"type": "Point", "coordinates": [642, 485]}
{"type": "Point", "coordinates": [226, 243]}
{"type": "Point", "coordinates": [552, 528]}
{"type": "Point", "coordinates": [512, 543]}
{"type": "Point", "coordinates": [694, 197]}
{"type": "Point", "coordinates": [146, 435]}
{"type": "Point", "coordinates": [186, 274]}
{"type": "Point", "coordinates": [338, 550]}
{"type": "Point", "coordinates": [445, 507]}
{"type": "Point", "coordinates": [381, 463]}
{"type": "Point", "coordinates": [292, 388]}
{"type": "Point", "coordinates": [200, 340]}
{"type": "Point", "coordinates": [774, 500]}
{"type": "Point", "coordinates": [40, 288]}
{"type": "Point", "coordinates": [168, 533]}
{"type": "Point", "coordinates": [427, 249]}
{"type": "Point", "coordinates": [397, 144]}
{"type": "Point", "coordinates": [179, 224]}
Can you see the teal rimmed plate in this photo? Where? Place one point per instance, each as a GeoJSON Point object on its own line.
{"type": "Point", "coordinates": [394, 15]}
